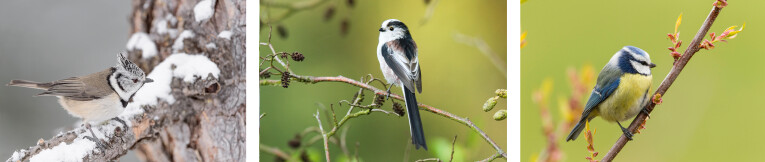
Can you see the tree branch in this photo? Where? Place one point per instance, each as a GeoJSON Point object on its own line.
{"type": "Point", "coordinates": [342, 79]}
{"type": "Point", "coordinates": [198, 118]}
{"type": "Point", "coordinates": [288, 75]}
{"type": "Point", "coordinates": [673, 74]}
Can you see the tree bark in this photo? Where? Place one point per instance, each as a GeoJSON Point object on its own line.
{"type": "Point", "coordinates": [199, 126]}
{"type": "Point", "coordinates": [207, 120]}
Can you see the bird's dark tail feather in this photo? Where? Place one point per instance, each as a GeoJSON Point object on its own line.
{"type": "Point", "coordinates": [577, 129]}
{"type": "Point", "coordinates": [415, 124]}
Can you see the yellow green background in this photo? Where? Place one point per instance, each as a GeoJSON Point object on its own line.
{"type": "Point", "coordinates": [456, 77]}
{"type": "Point", "coordinates": [712, 112]}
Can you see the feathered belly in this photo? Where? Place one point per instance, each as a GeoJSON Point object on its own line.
{"type": "Point", "coordinates": [95, 110]}
{"type": "Point", "coordinates": [627, 100]}
{"type": "Point", "coordinates": [388, 73]}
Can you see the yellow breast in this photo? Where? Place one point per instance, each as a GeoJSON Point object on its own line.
{"type": "Point", "coordinates": [627, 100]}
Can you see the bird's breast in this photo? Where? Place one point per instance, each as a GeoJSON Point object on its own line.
{"type": "Point", "coordinates": [96, 110]}
{"type": "Point", "coordinates": [628, 99]}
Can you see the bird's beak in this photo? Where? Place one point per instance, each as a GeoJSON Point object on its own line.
{"type": "Point", "coordinates": [148, 80]}
{"type": "Point", "coordinates": [382, 30]}
{"type": "Point", "coordinates": [651, 65]}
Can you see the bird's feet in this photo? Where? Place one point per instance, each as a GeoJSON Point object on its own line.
{"type": "Point", "coordinates": [388, 96]}
{"type": "Point", "coordinates": [626, 131]}
{"type": "Point", "coordinates": [99, 144]}
{"type": "Point", "coordinates": [124, 125]}
{"type": "Point", "coordinates": [646, 112]}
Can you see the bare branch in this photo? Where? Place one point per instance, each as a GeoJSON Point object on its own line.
{"type": "Point", "coordinates": [465, 121]}
{"type": "Point", "coordinates": [673, 74]}
{"type": "Point", "coordinates": [323, 135]}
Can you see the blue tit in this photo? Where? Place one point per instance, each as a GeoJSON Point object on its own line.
{"type": "Point", "coordinates": [621, 91]}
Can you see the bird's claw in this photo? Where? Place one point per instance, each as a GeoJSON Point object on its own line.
{"type": "Point", "coordinates": [646, 112]}
{"type": "Point", "coordinates": [125, 126]}
{"type": "Point", "coordinates": [99, 144]}
{"type": "Point", "coordinates": [627, 133]}
{"type": "Point", "coordinates": [388, 95]}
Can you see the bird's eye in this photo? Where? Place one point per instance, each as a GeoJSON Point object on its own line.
{"type": "Point", "coordinates": [135, 80]}
{"type": "Point", "coordinates": [390, 28]}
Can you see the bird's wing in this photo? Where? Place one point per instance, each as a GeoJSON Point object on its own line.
{"type": "Point", "coordinates": [608, 82]}
{"type": "Point", "coordinates": [401, 57]}
{"type": "Point", "coordinates": [73, 88]}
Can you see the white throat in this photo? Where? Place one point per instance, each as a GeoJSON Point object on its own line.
{"type": "Point", "coordinates": [388, 36]}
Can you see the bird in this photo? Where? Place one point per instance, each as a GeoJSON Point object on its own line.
{"type": "Point", "coordinates": [97, 97]}
{"type": "Point", "coordinates": [397, 54]}
{"type": "Point", "coordinates": [621, 91]}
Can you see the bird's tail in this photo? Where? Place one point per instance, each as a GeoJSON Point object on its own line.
{"type": "Point", "coordinates": [29, 84]}
{"type": "Point", "coordinates": [577, 129]}
{"type": "Point", "coordinates": [415, 124]}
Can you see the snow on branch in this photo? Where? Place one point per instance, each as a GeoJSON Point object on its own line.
{"type": "Point", "coordinates": [178, 69]}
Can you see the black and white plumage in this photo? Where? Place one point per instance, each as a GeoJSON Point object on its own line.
{"type": "Point", "coordinates": [397, 54]}
{"type": "Point", "coordinates": [95, 97]}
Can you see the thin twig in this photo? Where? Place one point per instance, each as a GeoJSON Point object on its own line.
{"type": "Point", "coordinates": [323, 135]}
{"type": "Point", "coordinates": [428, 159]}
{"type": "Point", "coordinates": [342, 142]}
{"type": "Point", "coordinates": [492, 157]}
{"type": "Point", "coordinates": [673, 74]}
{"type": "Point", "coordinates": [291, 7]}
{"type": "Point", "coordinates": [451, 158]}
{"type": "Point", "coordinates": [342, 79]}
{"type": "Point", "coordinates": [275, 151]}
{"type": "Point", "coordinates": [485, 50]}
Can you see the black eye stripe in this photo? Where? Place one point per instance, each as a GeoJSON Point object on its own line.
{"type": "Point", "coordinates": [641, 62]}
{"type": "Point", "coordinates": [119, 84]}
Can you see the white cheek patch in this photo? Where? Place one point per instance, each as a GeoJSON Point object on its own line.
{"type": "Point", "coordinates": [642, 69]}
{"type": "Point", "coordinates": [388, 36]}
{"type": "Point", "coordinates": [122, 94]}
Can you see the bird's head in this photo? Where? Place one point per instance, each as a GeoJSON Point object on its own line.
{"type": "Point", "coordinates": [393, 29]}
{"type": "Point", "coordinates": [633, 60]}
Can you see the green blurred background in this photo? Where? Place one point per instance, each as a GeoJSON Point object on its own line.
{"type": "Point", "coordinates": [713, 111]}
{"type": "Point", "coordinates": [457, 77]}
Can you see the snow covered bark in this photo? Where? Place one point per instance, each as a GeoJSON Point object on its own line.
{"type": "Point", "coordinates": [195, 109]}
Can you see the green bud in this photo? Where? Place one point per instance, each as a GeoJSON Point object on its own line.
{"type": "Point", "coordinates": [490, 103]}
{"type": "Point", "coordinates": [501, 93]}
{"type": "Point", "coordinates": [500, 115]}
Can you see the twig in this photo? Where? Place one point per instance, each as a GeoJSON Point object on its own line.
{"type": "Point", "coordinates": [275, 151]}
{"type": "Point", "coordinates": [291, 7]}
{"type": "Point", "coordinates": [428, 159]}
{"type": "Point", "coordinates": [485, 50]}
{"type": "Point", "coordinates": [492, 157]}
{"type": "Point", "coordinates": [673, 74]}
{"type": "Point", "coordinates": [342, 142]}
{"type": "Point", "coordinates": [364, 86]}
{"type": "Point", "coordinates": [451, 158]}
{"type": "Point", "coordinates": [342, 79]}
{"type": "Point", "coordinates": [323, 135]}
{"type": "Point", "coordinates": [429, 12]}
